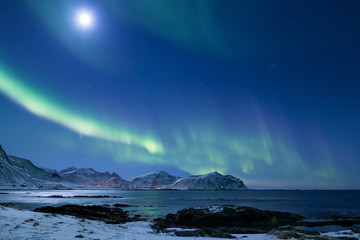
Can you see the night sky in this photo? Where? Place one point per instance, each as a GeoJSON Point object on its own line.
{"type": "Point", "coordinates": [267, 91]}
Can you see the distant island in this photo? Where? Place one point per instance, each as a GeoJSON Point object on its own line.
{"type": "Point", "coordinates": [19, 173]}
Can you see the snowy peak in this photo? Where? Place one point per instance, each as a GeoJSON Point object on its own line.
{"type": "Point", "coordinates": [91, 177]}
{"type": "Point", "coordinates": [21, 173]}
{"type": "Point", "coordinates": [154, 180]}
{"type": "Point", "coordinates": [17, 172]}
{"type": "Point", "coordinates": [212, 174]}
{"type": "Point", "coordinates": [209, 181]}
{"type": "Point", "coordinates": [3, 155]}
{"type": "Point", "coordinates": [115, 175]}
{"type": "Point", "coordinates": [29, 168]}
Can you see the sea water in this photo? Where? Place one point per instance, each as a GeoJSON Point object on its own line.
{"type": "Point", "coordinates": [151, 204]}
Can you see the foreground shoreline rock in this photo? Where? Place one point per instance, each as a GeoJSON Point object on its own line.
{"type": "Point", "coordinates": [217, 221]}
{"type": "Point", "coordinates": [16, 224]}
{"type": "Point", "coordinates": [92, 212]}
{"type": "Point", "coordinates": [223, 221]}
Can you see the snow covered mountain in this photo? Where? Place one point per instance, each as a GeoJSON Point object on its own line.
{"type": "Point", "coordinates": [30, 169]}
{"type": "Point", "coordinates": [154, 180]}
{"type": "Point", "coordinates": [209, 181]}
{"type": "Point", "coordinates": [90, 177]}
{"type": "Point", "coordinates": [16, 173]}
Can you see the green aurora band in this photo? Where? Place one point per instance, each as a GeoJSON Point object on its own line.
{"type": "Point", "coordinates": [264, 156]}
{"type": "Point", "coordinates": [261, 153]}
{"type": "Point", "coordinates": [45, 107]}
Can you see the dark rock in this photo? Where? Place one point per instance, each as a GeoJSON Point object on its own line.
{"type": "Point", "coordinates": [188, 233]}
{"type": "Point", "coordinates": [287, 234]}
{"type": "Point", "coordinates": [220, 234]}
{"type": "Point", "coordinates": [223, 220]}
{"type": "Point", "coordinates": [96, 196]}
{"type": "Point", "coordinates": [93, 212]}
{"type": "Point", "coordinates": [340, 222]}
{"type": "Point", "coordinates": [55, 196]}
{"type": "Point", "coordinates": [240, 230]}
{"type": "Point", "coordinates": [355, 228]}
{"type": "Point", "coordinates": [304, 235]}
{"type": "Point", "coordinates": [122, 205]}
{"type": "Point", "coordinates": [10, 204]}
{"type": "Point", "coordinates": [198, 233]}
{"type": "Point", "coordinates": [229, 216]}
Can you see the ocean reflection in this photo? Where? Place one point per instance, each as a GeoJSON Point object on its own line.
{"type": "Point", "coordinates": [153, 204]}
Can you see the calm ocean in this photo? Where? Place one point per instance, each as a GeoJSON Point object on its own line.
{"type": "Point", "coordinates": [151, 204]}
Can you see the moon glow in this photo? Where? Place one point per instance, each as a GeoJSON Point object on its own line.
{"type": "Point", "coordinates": [85, 19]}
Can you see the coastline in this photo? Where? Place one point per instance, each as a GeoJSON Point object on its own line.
{"type": "Point", "coordinates": [160, 203]}
{"type": "Point", "coordinates": [25, 224]}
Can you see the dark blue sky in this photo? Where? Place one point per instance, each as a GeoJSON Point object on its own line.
{"type": "Point", "coordinates": [267, 91]}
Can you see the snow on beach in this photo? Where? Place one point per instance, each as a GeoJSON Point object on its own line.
{"type": "Point", "coordinates": [24, 224]}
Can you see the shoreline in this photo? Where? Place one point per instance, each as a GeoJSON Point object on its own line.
{"type": "Point", "coordinates": [165, 205]}
{"type": "Point", "coordinates": [20, 224]}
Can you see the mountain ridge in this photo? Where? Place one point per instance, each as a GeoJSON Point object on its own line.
{"type": "Point", "coordinates": [153, 180]}
{"type": "Point", "coordinates": [21, 173]}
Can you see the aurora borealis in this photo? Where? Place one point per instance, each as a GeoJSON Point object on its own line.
{"type": "Point", "coordinates": [265, 91]}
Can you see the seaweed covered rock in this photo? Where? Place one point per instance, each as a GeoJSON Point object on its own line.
{"type": "Point", "coordinates": [93, 212]}
{"type": "Point", "coordinates": [229, 216]}
{"type": "Point", "coordinates": [227, 219]}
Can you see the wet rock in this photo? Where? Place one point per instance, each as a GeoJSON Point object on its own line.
{"type": "Point", "coordinates": [96, 196]}
{"type": "Point", "coordinates": [287, 234]}
{"type": "Point", "coordinates": [221, 221]}
{"type": "Point", "coordinates": [122, 205]}
{"type": "Point", "coordinates": [216, 233]}
{"type": "Point", "coordinates": [93, 212]}
{"type": "Point", "coordinates": [192, 233]}
{"type": "Point", "coordinates": [339, 222]}
{"type": "Point", "coordinates": [305, 235]}
{"type": "Point", "coordinates": [10, 204]}
{"type": "Point", "coordinates": [55, 196]}
{"type": "Point", "coordinates": [29, 220]}
{"type": "Point", "coordinates": [355, 228]}
{"type": "Point", "coordinates": [229, 216]}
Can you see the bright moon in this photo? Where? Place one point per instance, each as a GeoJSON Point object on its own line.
{"type": "Point", "coordinates": [84, 19]}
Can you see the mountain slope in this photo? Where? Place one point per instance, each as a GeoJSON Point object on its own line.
{"type": "Point", "coordinates": [210, 181]}
{"type": "Point", "coordinates": [154, 180]}
{"type": "Point", "coordinates": [90, 177]}
{"type": "Point", "coordinates": [29, 168]}
{"type": "Point", "coordinates": [17, 172]}
{"type": "Point", "coordinates": [21, 173]}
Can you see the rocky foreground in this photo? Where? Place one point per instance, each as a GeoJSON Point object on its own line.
{"type": "Point", "coordinates": [218, 222]}
{"type": "Point", "coordinates": [224, 221]}
{"type": "Point", "coordinates": [93, 212]}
